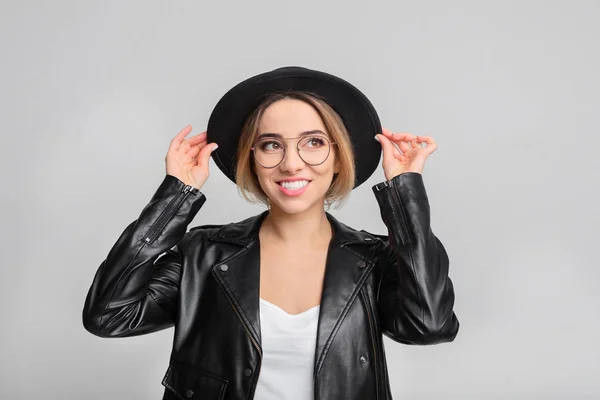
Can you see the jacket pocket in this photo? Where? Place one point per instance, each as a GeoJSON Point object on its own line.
{"type": "Point", "coordinates": [184, 382]}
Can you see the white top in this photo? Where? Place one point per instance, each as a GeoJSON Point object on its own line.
{"type": "Point", "coordinates": [288, 343]}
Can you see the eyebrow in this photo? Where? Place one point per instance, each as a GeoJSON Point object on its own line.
{"type": "Point", "coordinates": [277, 135]}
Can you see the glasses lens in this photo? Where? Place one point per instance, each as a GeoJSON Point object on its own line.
{"type": "Point", "coordinates": [268, 152]}
{"type": "Point", "coordinates": [314, 150]}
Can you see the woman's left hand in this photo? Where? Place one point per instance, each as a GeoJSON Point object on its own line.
{"type": "Point", "coordinates": [410, 158]}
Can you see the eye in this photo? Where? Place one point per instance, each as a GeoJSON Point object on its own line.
{"type": "Point", "coordinates": [270, 145]}
{"type": "Point", "coordinates": [314, 142]}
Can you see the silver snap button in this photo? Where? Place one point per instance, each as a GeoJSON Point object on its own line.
{"type": "Point", "coordinates": [189, 393]}
{"type": "Point", "coordinates": [363, 359]}
{"type": "Point", "coordinates": [362, 264]}
{"type": "Point", "coordinates": [224, 267]}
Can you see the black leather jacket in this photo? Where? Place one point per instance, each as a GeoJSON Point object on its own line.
{"type": "Point", "coordinates": [205, 283]}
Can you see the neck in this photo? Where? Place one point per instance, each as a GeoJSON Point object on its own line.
{"type": "Point", "coordinates": [310, 227]}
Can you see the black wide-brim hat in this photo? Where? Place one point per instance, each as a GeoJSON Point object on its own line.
{"type": "Point", "coordinates": [356, 111]}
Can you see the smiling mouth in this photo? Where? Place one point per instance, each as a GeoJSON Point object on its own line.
{"type": "Point", "coordinates": [295, 185]}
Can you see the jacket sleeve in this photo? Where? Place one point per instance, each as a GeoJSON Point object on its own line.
{"type": "Point", "coordinates": [134, 291]}
{"type": "Point", "coordinates": [415, 296]}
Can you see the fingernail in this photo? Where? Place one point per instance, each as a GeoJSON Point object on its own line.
{"type": "Point", "coordinates": [376, 138]}
{"type": "Point", "coordinates": [216, 146]}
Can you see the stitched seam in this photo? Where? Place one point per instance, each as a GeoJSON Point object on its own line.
{"type": "Point", "coordinates": [386, 200]}
{"type": "Point", "coordinates": [230, 292]}
{"type": "Point", "coordinates": [201, 371]}
{"type": "Point", "coordinates": [223, 381]}
{"type": "Point", "coordinates": [237, 304]}
{"type": "Point", "coordinates": [159, 305]}
{"type": "Point", "coordinates": [154, 227]}
{"type": "Point", "coordinates": [367, 300]}
{"type": "Point", "coordinates": [117, 284]}
{"type": "Point", "coordinates": [342, 317]}
{"type": "Point", "coordinates": [182, 197]}
{"type": "Point", "coordinates": [381, 275]}
{"type": "Point", "coordinates": [412, 264]}
{"type": "Point", "coordinates": [222, 393]}
{"type": "Point", "coordinates": [449, 315]}
{"type": "Point", "coordinates": [397, 216]}
{"type": "Point", "coordinates": [171, 388]}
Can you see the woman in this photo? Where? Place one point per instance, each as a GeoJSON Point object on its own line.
{"type": "Point", "coordinates": [290, 303]}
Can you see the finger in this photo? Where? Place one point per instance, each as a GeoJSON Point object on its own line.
{"type": "Point", "coordinates": [427, 139]}
{"type": "Point", "coordinates": [397, 137]}
{"type": "Point", "coordinates": [403, 136]}
{"type": "Point", "coordinates": [199, 138]}
{"type": "Point", "coordinates": [430, 143]}
{"type": "Point", "coordinates": [400, 138]}
{"type": "Point", "coordinates": [193, 152]}
{"type": "Point", "coordinates": [403, 141]}
{"type": "Point", "coordinates": [205, 153]}
{"type": "Point", "coordinates": [404, 147]}
{"type": "Point", "coordinates": [389, 150]}
{"type": "Point", "coordinates": [389, 135]}
{"type": "Point", "coordinates": [393, 137]}
{"type": "Point", "coordinates": [386, 132]}
{"type": "Point", "coordinates": [415, 143]}
{"type": "Point", "coordinates": [179, 138]}
{"type": "Point", "coordinates": [184, 146]}
{"type": "Point", "coordinates": [395, 150]}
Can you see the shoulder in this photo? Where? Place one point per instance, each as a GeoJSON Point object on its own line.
{"type": "Point", "coordinates": [203, 233]}
{"type": "Point", "coordinates": [211, 229]}
{"type": "Point", "coordinates": [206, 229]}
{"type": "Point", "coordinates": [239, 232]}
{"type": "Point", "coordinates": [348, 234]}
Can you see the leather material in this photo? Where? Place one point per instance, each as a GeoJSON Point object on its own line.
{"type": "Point", "coordinates": [205, 283]}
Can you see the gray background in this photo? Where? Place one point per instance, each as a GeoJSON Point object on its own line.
{"type": "Point", "coordinates": [92, 93]}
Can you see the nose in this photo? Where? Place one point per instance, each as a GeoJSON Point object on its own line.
{"type": "Point", "coordinates": [291, 161]}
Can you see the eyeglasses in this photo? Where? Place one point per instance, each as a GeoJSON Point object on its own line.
{"type": "Point", "coordinates": [313, 150]}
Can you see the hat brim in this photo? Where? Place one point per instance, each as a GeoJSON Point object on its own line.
{"type": "Point", "coordinates": [354, 108]}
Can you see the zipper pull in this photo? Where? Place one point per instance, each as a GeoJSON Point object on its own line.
{"type": "Point", "coordinates": [383, 186]}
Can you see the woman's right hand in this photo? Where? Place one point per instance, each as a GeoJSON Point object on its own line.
{"type": "Point", "coordinates": [187, 159]}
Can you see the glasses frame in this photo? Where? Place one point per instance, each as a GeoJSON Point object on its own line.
{"type": "Point", "coordinates": [285, 147]}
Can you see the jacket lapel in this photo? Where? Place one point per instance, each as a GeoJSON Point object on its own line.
{"type": "Point", "coordinates": [349, 262]}
{"type": "Point", "coordinates": [239, 273]}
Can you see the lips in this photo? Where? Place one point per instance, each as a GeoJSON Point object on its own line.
{"type": "Point", "coordinates": [293, 190]}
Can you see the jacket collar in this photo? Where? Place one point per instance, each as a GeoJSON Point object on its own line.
{"type": "Point", "coordinates": [245, 232]}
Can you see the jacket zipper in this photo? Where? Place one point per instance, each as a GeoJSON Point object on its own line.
{"type": "Point", "coordinates": [255, 379]}
{"type": "Point", "coordinates": [400, 223]}
{"type": "Point", "coordinates": [167, 214]}
{"type": "Point", "coordinates": [372, 330]}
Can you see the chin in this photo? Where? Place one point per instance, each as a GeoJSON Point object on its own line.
{"type": "Point", "coordinates": [293, 205]}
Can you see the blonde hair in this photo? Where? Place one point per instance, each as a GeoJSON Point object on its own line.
{"type": "Point", "coordinates": [343, 181]}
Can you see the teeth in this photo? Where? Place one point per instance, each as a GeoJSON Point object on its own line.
{"type": "Point", "coordinates": [294, 185]}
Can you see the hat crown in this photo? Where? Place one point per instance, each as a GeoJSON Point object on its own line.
{"type": "Point", "coordinates": [289, 68]}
